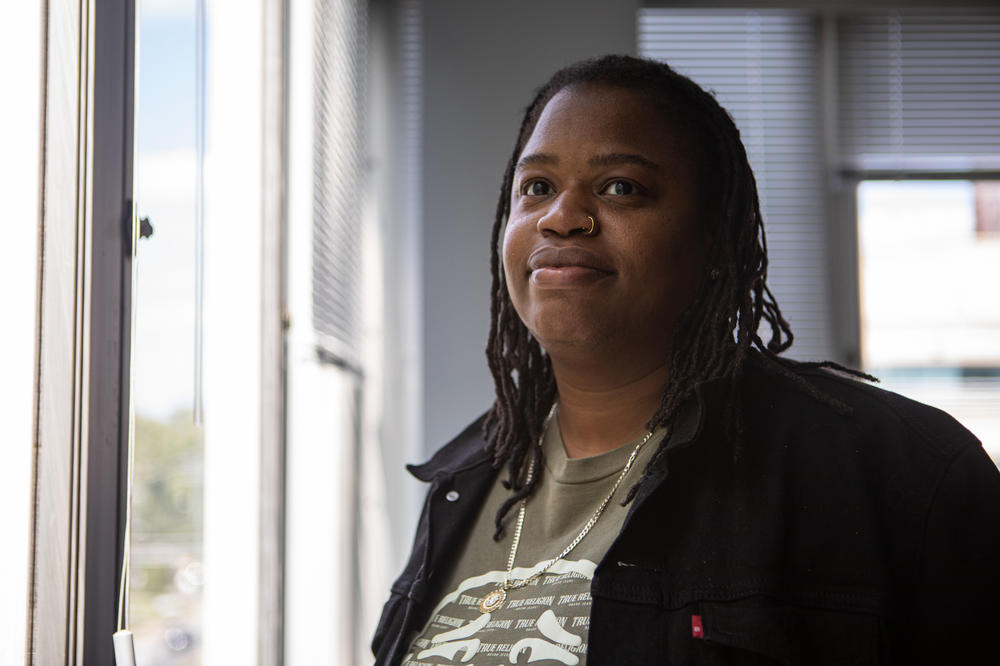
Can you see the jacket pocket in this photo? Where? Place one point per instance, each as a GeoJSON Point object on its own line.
{"type": "Point", "coordinates": [757, 631]}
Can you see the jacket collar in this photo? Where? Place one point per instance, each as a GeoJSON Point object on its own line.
{"type": "Point", "coordinates": [468, 449]}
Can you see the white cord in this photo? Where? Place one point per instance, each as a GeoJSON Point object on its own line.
{"type": "Point", "coordinates": [124, 645]}
{"type": "Point", "coordinates": [123, 596]}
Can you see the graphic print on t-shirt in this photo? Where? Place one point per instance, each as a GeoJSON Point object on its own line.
{"type": "Point", "coordinates": [545, 622]}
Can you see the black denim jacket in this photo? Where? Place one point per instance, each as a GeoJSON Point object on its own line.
{"type": "Point", "coordinates": [866, 538]}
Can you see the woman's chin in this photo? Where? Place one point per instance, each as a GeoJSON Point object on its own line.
{"type": "Point", "coordinates": [557, 340]}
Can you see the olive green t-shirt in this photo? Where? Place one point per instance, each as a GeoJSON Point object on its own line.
{"type": "Point", "coordinates": [546, 621]}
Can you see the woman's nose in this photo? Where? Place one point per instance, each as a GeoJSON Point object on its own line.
{"type": "Point", "coordinates": [567, 215]}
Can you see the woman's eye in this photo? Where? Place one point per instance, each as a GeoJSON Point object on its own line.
{"type": "Point", "coordinates": [619, 188]}
{"type": "Point", "coordinates": [537, 188]}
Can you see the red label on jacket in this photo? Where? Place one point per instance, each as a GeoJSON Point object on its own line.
{"type": "Point", "coordinates": [696, 629]}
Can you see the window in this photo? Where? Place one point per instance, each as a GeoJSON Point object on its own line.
{"type": "Point", "coordinates": [920, 100]}
{"type": "Point", "coordinates": [929, 257]}
{"type": "Point", "coordinates": [208, 523]}
{"type": "Point", "coordinates": [240, 521]}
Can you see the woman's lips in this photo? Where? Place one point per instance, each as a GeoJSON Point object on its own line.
{"type": "Point", "coordinates": [565, 267]}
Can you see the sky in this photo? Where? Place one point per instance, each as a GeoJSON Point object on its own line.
{"type": "Point", "coordinates": [166, 100]}
{"type": "Point", "coordinates": [165, 188]}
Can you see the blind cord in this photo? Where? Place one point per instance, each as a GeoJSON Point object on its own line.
{"type": "Point", "coordinates": [123, 643]}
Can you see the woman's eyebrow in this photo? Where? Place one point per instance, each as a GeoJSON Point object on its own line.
{"type": "Point", "coordinates": [612, 159]}
{"type": "Point", "coordinates": [607, 159]}
{"type": "Point", "coordinates": [536, 158]}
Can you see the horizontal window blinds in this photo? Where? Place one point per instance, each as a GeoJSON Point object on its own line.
{"type": "Point", "coordinates": [919, 89]}
{"type": "Point", "coordinates": [764, 69]}
{"type": "Point", "coordinates": [339, 49]}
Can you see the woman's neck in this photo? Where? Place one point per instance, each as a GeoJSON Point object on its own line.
{"type": "Point", "coordinates": [600, 411]}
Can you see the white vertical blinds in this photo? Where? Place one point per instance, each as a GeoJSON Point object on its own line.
{"type": "Point", "coordinates": [920, 89]}
{"type": "Point", "coordinates": [763, 67]}
{"type": "Point", "coordinates": [339, 73]}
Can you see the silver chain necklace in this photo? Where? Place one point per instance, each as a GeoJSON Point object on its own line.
{"type": "Point", "coordinates": [495, 599]}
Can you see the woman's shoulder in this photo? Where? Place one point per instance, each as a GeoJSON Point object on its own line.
{"type": "Point", "coordinates": [811, 396]}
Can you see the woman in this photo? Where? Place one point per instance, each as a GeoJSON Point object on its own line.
{"type": "Point", "coordinates": [673, 490]}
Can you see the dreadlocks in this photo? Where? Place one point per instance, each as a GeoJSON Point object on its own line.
{"type": "Point", "coordinates": [716, 331]}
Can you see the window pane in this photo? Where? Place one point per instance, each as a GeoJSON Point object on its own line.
{"type": "Point", "coordinates": [166, 557]}
{"type": "Point", "coordinates": [930, 310]}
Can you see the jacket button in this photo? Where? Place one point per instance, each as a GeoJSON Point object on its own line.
{"type": "Point", "coordinates": [452, 496]}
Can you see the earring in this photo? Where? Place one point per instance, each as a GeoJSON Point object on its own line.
{"type": "Point", "coordinates": [714, 274]}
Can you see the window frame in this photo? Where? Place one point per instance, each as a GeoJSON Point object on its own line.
{"type": "Point", "coordinates": [82, 376]}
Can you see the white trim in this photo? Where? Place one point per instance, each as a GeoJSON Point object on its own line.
{"type": "Point", "coordinates": [233, 327]}
{"type": "Point", "coordinates": [20, 133]}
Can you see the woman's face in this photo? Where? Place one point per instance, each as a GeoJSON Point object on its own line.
{"type": "Point", "coordinates": [611, 154]}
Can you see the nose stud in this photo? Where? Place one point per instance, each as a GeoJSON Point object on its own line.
{"type": "Point", "coordinates": [592, 228]}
